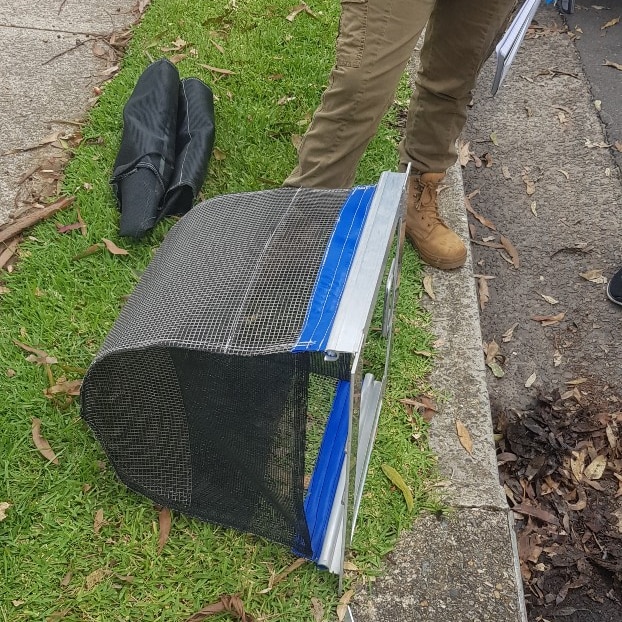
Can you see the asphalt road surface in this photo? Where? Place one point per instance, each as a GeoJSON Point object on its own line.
{"type": "Point", "coordinates": [544, 173]}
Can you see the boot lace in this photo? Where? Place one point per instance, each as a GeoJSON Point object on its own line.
{"type": "Point", "coordinates": [427, 202]}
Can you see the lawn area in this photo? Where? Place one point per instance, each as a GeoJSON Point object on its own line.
{"type": "Point", "coordinates": [76, 544]}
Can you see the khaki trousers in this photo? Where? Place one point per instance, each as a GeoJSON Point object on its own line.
{"type": "Point", "coordinates": [376, 39]}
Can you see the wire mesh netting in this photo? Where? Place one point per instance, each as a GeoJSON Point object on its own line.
{"type": "Point", "coordinates": [195, 394]}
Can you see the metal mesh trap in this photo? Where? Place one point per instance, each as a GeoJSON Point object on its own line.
{"type": "Point", "coordinates": [234, 369]}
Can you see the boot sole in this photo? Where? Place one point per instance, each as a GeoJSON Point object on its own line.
{"type": "Point", "coordinates": [443, 264]}
{"type": "Point", "coordinates": [439, 262]}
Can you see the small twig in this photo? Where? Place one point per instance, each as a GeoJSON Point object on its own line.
{"type": "Point", "coordinates": [8, 252]}
{"type": "Point", "coordinates": [67, 121]}
{"type": "Point", "coordinates": [73, 47]}
{"type": "Point", "coordinates": [31, 219]}
{"type": "Point", "coordinates": [28, 173]}
{"type": "Point", "coordinates": [62, 4]}
{"type": "Point", "coordinates": [487, 244]}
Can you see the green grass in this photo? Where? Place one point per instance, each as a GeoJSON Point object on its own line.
{"type": "Point", "coordinates": [66, 307]}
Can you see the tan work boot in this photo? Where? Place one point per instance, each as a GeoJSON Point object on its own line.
{"type": "Point", "coordinates": [437, 244]}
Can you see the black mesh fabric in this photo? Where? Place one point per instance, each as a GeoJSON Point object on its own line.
{"type": "Point", "coordinates": [195, 394]}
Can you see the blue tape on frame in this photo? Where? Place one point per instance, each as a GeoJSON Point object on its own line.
{"type": "Point", "coordinates": [334, 271]}
{"type": "Point", "coordinates": [323, 484]}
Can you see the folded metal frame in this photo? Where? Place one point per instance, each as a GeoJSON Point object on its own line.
{"type": "Point", "coordinates": [511, 41]}
{"type": "Point", "coordinates": [383, 225]}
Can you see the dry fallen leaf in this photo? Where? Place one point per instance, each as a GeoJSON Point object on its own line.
{"type": "Point", "coordinates": [424, 406]}
{"type": "Point", "coordinates": [575, 394]}
{"type": "Point", "coordinates": [95, 577]}
{"type": "Point", "coordinates": [483, 291]}
{"type": "Point", "coordinates": [464, 153]}
{"type": "Point", "coordinates": [549, 299]}
{"type": "Point", "coordinates": [40, 443]}
{"type": "Point", "coordinates": [296, 140]}
{"type": "Point", "coordinates": [98, 522]}
{"type": "Point", "coordinates": [57, 615]}
{"type": "Point", "coordinates": [511, 250]}
{"type": "Point", "coordinates": [41, 356]}
{"type": "Point", "coordinates": [528, 510]}
{"type": "Point", "coordinates": [549, 320]}
{"type": "Point", "coordinates": [577, 464]}
{"type": "Point", "coordinates": [113, 248]}
{"type": "Point", "coordinates": [176, 58]}
{"type": "Point", "coordinates": [285, 100]}
{"type": "Point", "coordinates": [609, 63]}
{"type": "Point", "coordinates": [509, 333]}
{"type": "Point", "coordinates": [218, 70]}
{"type": "Point", "coordinates": [485, 221]}
{"type": "Point", "coordinates": [610, 23]}
{"type": "Point", "coordinates": [594, 276]}
{"type": "Point", "coordinates": [317, 609]}
{"type": "Point", "coordinates": [342, 607]}
{"type": "Point", "coordinates": [427, 285]}
{"type": "Point", "coordinates": [506, 172]}
{"type": "Point", "coordinates": [530, 185]}
{"type": "Point", "coordinates": [530, 380]}
{"type": "Point", "coordinates": [464, 436]}
{"type": "Point", "coordinates": [62, 386]}
{"type": "Point", "coordinates": [596, 468]}
{"type": "Point", "coordinates": [4, 506]}
{"type": "Point", "coordinates": [492, 350]}
{"type": "Point", "coordinates": [397, 480]}
{"type": "Point", "coordinates": [164, 519]}
{"type": "Point", "coordinates": [228, 603]}
{"type": "Point", "coordinates": [301, 8]}
{"type": "Point", "coordinates": [612, 437]}
{"type": "Point", "coordinates": [218, 154]}
{"type": "Point", "coordinates": [425, 353]}
{"type": "Point", "coordinates": [282, 575]}
{"type": "Point", "coordinates": [596, 145]}
{"type": "Point", "coordinates": [581, 503]}
{"type": "Point", "coordinates": [91, 250]}
{"type": "Point", "coordinates": [67, 228]}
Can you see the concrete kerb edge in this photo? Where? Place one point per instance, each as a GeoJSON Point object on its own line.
{"type": "Point", "coordinates": [460, 375]}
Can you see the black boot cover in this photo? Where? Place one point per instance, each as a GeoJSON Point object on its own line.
{"type": "Point", "coordinates": [193, 147]}
{"type": "Point", "coordinates": [146, 159]}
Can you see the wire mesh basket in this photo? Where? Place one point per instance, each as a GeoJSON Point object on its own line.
{"type": "Point", "coordinates": [236, 363]}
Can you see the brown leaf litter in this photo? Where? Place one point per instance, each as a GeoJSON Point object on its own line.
{"type": "Point", "coordinates": [561, 468]}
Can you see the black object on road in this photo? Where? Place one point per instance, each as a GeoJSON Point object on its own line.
{"type": "Point", "coordinates": [168, 135]}
{"type": "Point", "coordinates": [614, 288]}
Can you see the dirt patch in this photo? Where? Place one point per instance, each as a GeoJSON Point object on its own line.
{"type": "Point", "coordinates": [561, 469]}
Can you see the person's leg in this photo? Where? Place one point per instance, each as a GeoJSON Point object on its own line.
{"type": "Point", "coordinates": [458, 38]}
{"type": "Point", "coordinates": [376, 39]}
{"type": "Point", "coordinates": [457, 41]}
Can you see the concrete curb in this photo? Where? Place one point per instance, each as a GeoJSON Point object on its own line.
{"type": "Point", "coordinates": [49, 71]}
{"type": "Point", "coordinates": [463, 567]}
